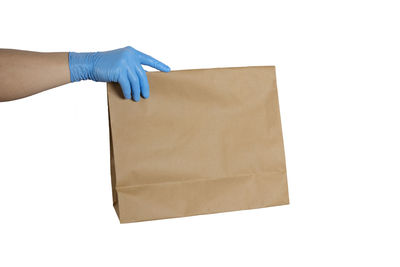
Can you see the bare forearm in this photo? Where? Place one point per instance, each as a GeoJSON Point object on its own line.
{"type": "Point", "coordinates": [24, 73]}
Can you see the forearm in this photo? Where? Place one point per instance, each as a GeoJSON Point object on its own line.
{"type": "Point", "coordinates": [24, 73]}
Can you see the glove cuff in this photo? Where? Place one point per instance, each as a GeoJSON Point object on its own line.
{"type": "Point", "coordinates": [80, 66]}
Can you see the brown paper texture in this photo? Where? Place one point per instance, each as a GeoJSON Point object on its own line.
{"type": "Point", "coordinates": [206, 141]}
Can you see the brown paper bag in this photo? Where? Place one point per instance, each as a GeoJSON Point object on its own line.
{"type": "Point", "coordinates": [206, 141]}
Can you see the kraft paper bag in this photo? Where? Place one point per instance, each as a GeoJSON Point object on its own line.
{"type": "Point", "coordinates": [206, 141]}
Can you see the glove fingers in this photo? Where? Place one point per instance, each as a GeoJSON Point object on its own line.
{"type": "Point", "coordinates": [126, 87]}
{"type": "Point", "coordinates": [134, 81]}
{"type": "Point", "coordinates": [144, 84]}
{"type": "Point", "coordinates": [152, 62]}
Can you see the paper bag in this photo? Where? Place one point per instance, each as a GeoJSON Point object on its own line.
{"type": "Point", "coordinates": [206, 141]}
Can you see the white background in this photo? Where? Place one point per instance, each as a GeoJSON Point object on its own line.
{"type": "Point", "coordinates": [338, 65]}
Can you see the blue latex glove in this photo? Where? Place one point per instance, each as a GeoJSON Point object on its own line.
{"type": "Point", "coordinates": [121, 65]}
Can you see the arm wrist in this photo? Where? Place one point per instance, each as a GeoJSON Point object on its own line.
{"type": "Point", "coordinates": [80, 66]}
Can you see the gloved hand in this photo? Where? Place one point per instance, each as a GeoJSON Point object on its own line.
{"type": "Point", "coordinates": [122, 65]}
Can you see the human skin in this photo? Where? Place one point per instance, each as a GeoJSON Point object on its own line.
{"type": "Point", "coordinates": [24, 73]}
